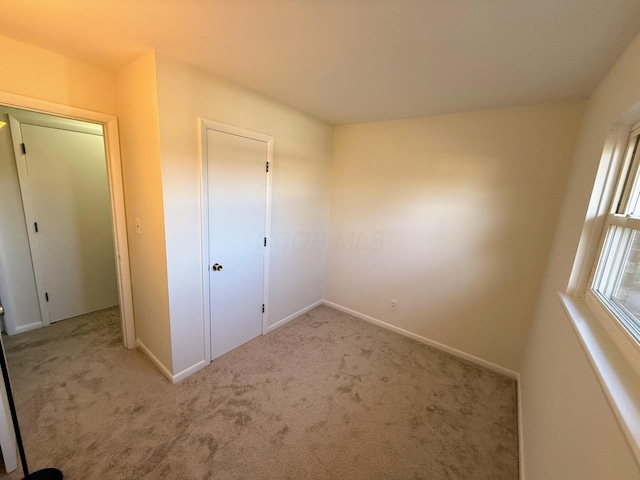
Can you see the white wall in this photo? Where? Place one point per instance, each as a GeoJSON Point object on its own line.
{"type": "Point", "coordinates": [453, 217]}
{"type": "Point", "coordinates": [302, 155]}
{"type": "Point", "coordinates": [142, 177]}
{"type": "Point", "coordinates": [569, 429]}
{"type": "Point", "coordinates": [38, 73]}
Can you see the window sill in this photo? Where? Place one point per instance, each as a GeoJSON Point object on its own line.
{"type": "Point", "coordinates": [619, 380]}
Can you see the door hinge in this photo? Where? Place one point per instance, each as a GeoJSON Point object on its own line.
{"type": "Point", "coordinates": [267, 164]}
{"type": "Point", "coordinates": [35, 226]}
{"type": "Point", "coordinates": [24, 148]}
{"type": "Point", "coordinates": [46, 296]}
{"type": "Point", "coordinates": [265, 241]}
{"type": "Point", "coordinates": [263, 308]}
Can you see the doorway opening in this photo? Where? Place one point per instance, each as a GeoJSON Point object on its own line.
{"type": "Point", "coordinates": [88, 270]}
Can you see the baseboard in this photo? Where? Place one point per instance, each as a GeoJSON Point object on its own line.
{"type": "Point", "coordinates": [154, 360]}
{"type": "Point", "coordinates": [27, 328]}
{"type": "Point", "coordinates": [172, 378]}
{"type": "Point", "coordinates": [520, 432]}
{"type": "Point", "coordinates": [293, 316]}
{"type": "Point", "coordinates": [188, 371]}
{"type": "Point", "coordinates": [427, 341]}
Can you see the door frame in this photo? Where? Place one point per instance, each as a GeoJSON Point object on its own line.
{"type": "Point", "coordinates": [207, 124]}
{"type": "Point", "coordinates": [116, 191]}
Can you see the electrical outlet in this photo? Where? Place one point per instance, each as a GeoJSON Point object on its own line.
{"type": "Point", "coordinates": [138, 230]}
{"type": "Point", "coordinates": [393, 305]}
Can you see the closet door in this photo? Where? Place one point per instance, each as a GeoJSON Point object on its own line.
{"type": "Point", "coordinates": [63, 178]}
{"type": "Point", "coordinates": [237, 212]}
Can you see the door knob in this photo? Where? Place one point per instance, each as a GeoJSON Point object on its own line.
{"type": "Point", "coordinates": [216, 267]}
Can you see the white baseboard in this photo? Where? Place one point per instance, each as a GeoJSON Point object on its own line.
{"type": "Point", "coordinates": [154, 360]}
{"type": "Point", "coordinates": [164, 370]}
{"type": "Point", "coordinates": [194, 368]}
{"type": "Point", "coordinates": [26, 328]}
{"type": "Point", "coordinates": [293, 316]}
{"type": "Point", "coordinates": [427, 341]}
{"type": "Point", "coordinates": [188, 371]}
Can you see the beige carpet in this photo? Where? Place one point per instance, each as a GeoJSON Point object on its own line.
{"type": "Point", "coordinates": [327, 396]}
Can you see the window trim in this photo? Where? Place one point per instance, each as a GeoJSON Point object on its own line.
{"type": "Point", "coordinates": [615, 375]}
{"type": "Point", "coordinates": [616, 193]}
{"type": "Point", "coordinates": [625, 342]}
{"type": "Point", "coordinates": [600, 335]}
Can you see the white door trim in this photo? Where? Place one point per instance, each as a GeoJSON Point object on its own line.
{"type": "Point", "coordinates": [207, 124]}
{"type": "Point", "coordinates": [116, 189]}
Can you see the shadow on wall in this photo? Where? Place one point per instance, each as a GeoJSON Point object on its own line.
{"type": "Point", "coordinates": [465, 207]}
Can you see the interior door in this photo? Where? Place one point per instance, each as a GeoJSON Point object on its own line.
{"type": "Point", "coordinates": [237, 194]}
{"type": "Point", "coordinates": [65, 181]}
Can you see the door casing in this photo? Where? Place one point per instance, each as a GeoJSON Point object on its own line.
{"type": "Point", "coordinates": [207, 124]}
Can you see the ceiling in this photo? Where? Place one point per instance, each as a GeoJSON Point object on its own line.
{"type": "Point", "coordinates": [349, 61]}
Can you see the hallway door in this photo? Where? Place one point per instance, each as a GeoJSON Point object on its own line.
{"type": "Point", "coordinates": [63, 179]}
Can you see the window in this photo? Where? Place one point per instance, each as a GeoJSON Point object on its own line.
{"type": "Point", "coordinates": [608, 272]}
{"type": "Point", "coordinates": [615, 285]}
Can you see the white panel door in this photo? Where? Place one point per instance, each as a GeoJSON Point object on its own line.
{"type": "Point", "coordinates": [69, 194]}
{"type": "Point", "coordinates": [236, 182]}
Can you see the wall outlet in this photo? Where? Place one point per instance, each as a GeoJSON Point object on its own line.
{"type": "Point", "coordinates": [393, 305]}
{"type": "Point", "coordinates": [138, 230]}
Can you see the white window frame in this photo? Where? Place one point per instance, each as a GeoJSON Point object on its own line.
{"type": "Point", "coordinates": [617, 193]}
